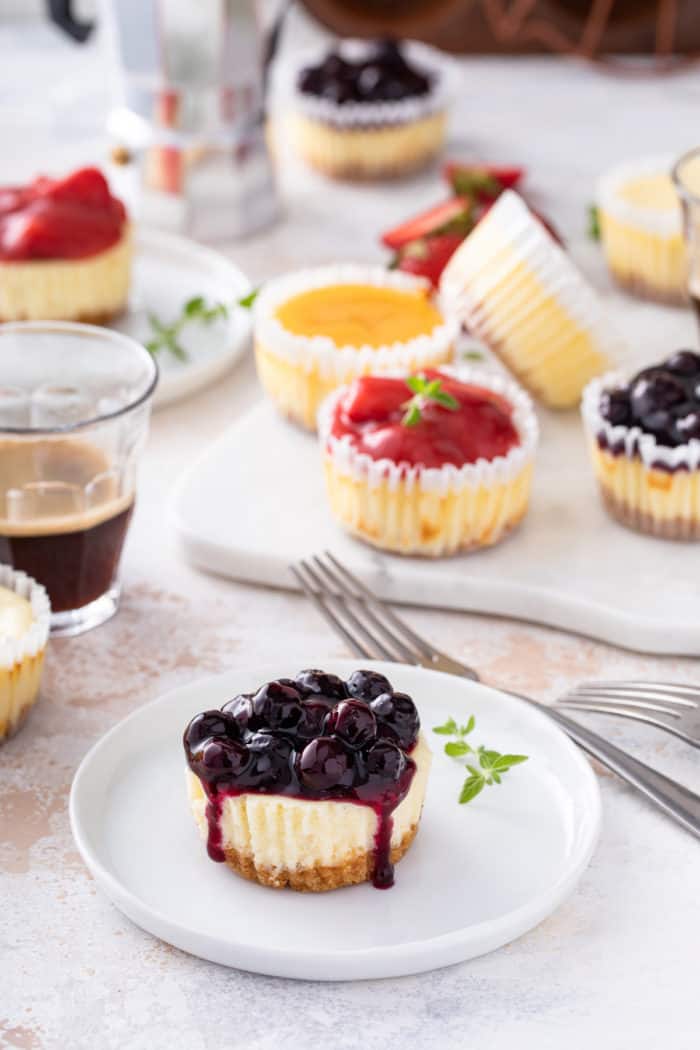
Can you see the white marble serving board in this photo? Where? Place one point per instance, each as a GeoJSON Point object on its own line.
{"type": "Point", "coordinates": [255, 502]}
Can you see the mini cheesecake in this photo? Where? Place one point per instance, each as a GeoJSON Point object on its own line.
{"type": "Point", "coordinates": [641, 230]}
{"type": "Point", "coordinates": [312, 782]}
{"type": "Point", "coordinates": [24, 631]}
{"type": "Point", "coordinates": [515, 288]}
{"type": "Point", "coordinates": [429, 464]}
{"type": "Point", "coordinates": [318, 329]}
{"type": "Point", "coordinates": [644, 440]}
{"type": "Point", "coordinates": [65, 250]}
{"type": "Point", "coordinates": [370, 111]}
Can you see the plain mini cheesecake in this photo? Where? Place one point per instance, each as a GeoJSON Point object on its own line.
{"type": "Point", "coordinates": [24, 632]}
{"type": "Point", "coordinates": [320, 328]}
{"type": "Point", "coordinates": [644, 440]}
{"type": "Point", "coordinates": [312, 783]}
{"type": "Point", "coordinates": [65, 250]}
{"type": "Point", "coordinates": [430, 464]}
{"type": "Point", "coordinates": [369, 110]}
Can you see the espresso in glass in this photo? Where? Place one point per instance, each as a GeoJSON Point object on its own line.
{"type": "Point", "coordinates": [74, 408]}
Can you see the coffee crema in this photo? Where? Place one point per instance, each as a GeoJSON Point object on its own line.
{"type": "Point", "coordinates": [63, 516]}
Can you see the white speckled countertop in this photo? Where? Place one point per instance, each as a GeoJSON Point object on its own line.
{"type": "Point", "coordinates": [616, 966]}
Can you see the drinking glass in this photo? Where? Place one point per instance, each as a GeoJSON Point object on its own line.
{"type": "Point", "coordinates": [686, 178]}
{"type": "Point", "coordinates": [75, 402]}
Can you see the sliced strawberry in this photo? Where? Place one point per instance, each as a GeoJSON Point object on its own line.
{"type": "Point", "coordinates": [375, 400]}
{"type": "Point", "coordinates": [428, 256]}
{"type": "Point", "coordinates": [57, 230]}
{"type": "Point", "coordinates": [481, 181]}
{"type": "Point", "coordinates": [456, 211]}
{"type": "Point", "coordinates": [87, 186]}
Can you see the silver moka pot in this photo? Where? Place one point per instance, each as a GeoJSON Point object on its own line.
{"type": "Point", "coordinates": [188, 122]}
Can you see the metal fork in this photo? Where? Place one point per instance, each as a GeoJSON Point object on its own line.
{"type": "Point", "coordinates": [668, 705]}
{"type": "Point", "coordinates": [372, 629]}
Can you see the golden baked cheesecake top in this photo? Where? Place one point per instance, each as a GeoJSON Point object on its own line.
{"type": "Point", "coordinates": [16, 615]}
{"type": "Point", "coordinates": [314, 738]}
{"type": "Point", "coordinates": [71, 218]}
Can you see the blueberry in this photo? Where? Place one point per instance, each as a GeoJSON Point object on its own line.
{"type": "Point", "coordinates": [208, 724]}
{"type": "Point", "coordinates": [269, 765]}
{"type": "Point", "coordinates": [385, 764]}
{"type": "Point", "coordinates": [398, 718]}
{"type": "Point", "coordinates": [221, 761]}
{"type": "Point", "coordinates": [654, 391]}
{"type": "Point", "coordinates": [354, 723]}
{"type": "Point", "coordinates": [313, 681]}
{"type": "Point", "coordinates": [277, 703]}
{"type": "Point", "coordinates": [366, 685]}
{"type": "Point", "coordinates": [314, 712]}
{"type": "Point", "coordinates": [615, 407]}
{"type": "Point", "coordinates": [688, 427]}
{"type": "Point", "coordinates": [325, 763]}
{"type": "Point", "coordinates": [685, 363]}
{"type": "Point", "coordinates": [241, 709]}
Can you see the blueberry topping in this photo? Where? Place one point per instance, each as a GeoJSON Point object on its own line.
{"type": "Point", "coordinates": [663, 400]}
{"type": "Point", "coordinates": [329, 685]}
{"type": "Point", "coordinates": [368, 684]}
{"type": "Point", "coordinates": [210, 724]}
{"type": "Point", "coordinates": [615, 407]}
{"type": "Point", "coordinates": [685, 363]}
{"type": "Point", "coordinates": [383, 75]}
{"type": "Point", "coordinates": [326, 763]}
{"type": "Point", "coordinates": [222, 761]}
{"type": "Point", "coordinates": [269, 766]}
{"type": "Point", "coordinates": [353, 722]}
{"type": "Point", "coordinates": [385, 764]}
{"type": "Point", "coordinates": [241, 710]}
{"type": "Point", "coordinates": [278, 704]}
{"type": "Point", "coordinates": [314, 712]}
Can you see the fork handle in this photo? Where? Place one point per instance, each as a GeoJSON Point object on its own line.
{"type": "Point", "coordinates": [680, 803]}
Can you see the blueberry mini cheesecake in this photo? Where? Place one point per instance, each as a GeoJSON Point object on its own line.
{"type": "Point", "coordinates": [370, 110]}
{"type": "Point", "coordinates": [312, 782]}
{"type": "Point", "coordinates": [644, 438]}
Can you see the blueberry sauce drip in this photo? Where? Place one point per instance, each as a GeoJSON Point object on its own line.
{"type": "Point", "coordinates": [313, 737]}
{"type": "Point", "coordinates": [384, 75]}
{"type": "Point", "coordinates": [663, 401]}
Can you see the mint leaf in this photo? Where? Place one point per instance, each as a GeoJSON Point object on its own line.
{"type": "Point", "coordinates": [194, 307]}
{"type": "Point", "coordinates": [593, 222]}
{"type": "Point", "coordinates": [465, 730]}
{"type": "Point", "coordinates": [488, 759]}
{"type": "Point", "coordinates": [412, 416]}
{"type": "Point", "coordinates": [471, 788]}
{"type": "Point", "coordinates": [505, 762]}
{"type": "Point", "coordinates": [472, 355]}
{"type": "Point", "coordinates": [416, 383]}
{"type": "Point", "coordinates": [447, 729]}
{"type": "Point", "coordinates": [456, 748]}
{"type": "Point", "coordinates": [248, 300]}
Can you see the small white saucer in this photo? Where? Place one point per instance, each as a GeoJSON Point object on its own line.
{"type": "Point", "coordinates": [476, 877]}
{"type": "Point", "coordinates": [168, 271]}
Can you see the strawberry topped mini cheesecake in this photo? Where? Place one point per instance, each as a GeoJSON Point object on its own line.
{"type": "Point", "coordinates": [65, 250]}
{"type": "Point", "coordinates": [430, 463]}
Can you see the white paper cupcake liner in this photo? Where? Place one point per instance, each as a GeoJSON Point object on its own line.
{"type": "Point", "coordinates": [510, 236]}
{"type": "Point", "coordinates": [635, 442]}
{"type": "Point", "coordinates": [320, 352]}
{"type": "Point", "coordinates": [660, 223]}
{"type": "Point", "coordinates": [14, 650]}
{"type": "Point", "coordinates": [376, 114]}
{"type": "Point", "coordinates": [348, 462]}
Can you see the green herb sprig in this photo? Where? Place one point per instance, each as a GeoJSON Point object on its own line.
{"type": "Point", "coordinates": [195, 311]}
{"type": "Point", "coordinates": [593, 222]}
{"type": "Point", "coordinates": [425, 390]}
{"type": "Point", "coordinates": [491, 764]}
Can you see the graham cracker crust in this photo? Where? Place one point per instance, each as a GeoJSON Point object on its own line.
{"type": "Point", "coordinates": [318, 879]}
{"type": "Point", "coordinates": [104, 317]}
{"type": "Point", "coordinates": [643, 290]}
{"type": "Point", "coordinates": [640, 521]}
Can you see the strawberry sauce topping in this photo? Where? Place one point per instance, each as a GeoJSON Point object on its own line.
{"type": "Point", "coordinates": [70, 218]}
{"type": "Point", "coordinates": [373, 413]}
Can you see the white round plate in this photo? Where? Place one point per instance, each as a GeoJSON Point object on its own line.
{"type": "Point", "coordinates": [476, 877]}
{"type": "Point", "coordinates": [169, 270]}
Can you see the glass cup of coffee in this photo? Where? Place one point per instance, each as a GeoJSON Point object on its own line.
{"type": "Point", "coordinates": [686, 178]}
{"type": "Point", "coordinates": [75, 401]}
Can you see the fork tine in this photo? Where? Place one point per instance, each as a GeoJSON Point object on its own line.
{"type": "Point", "coordinates": [620, 701]}
{"type": "Point", "coordinates": [660, 721]}
{"type": "Point", "coordinates": [403, 651]}
{"type": "Point", "coordinates": [328, 616]}
{"type": "Point", "coordinates": [348, 615]}
{"type": "Point", "coordinates": [605, 703]}
{"type": "Point", "coordinates": [423, 648]}
{"type": "Point", "coordinates": [667, 694]}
